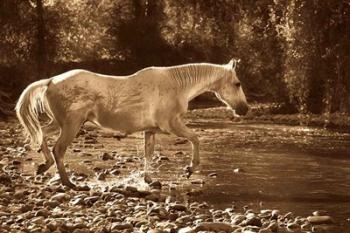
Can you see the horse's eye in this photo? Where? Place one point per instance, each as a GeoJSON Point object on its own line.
{"type": "Point", "coordinates": [238, 85]}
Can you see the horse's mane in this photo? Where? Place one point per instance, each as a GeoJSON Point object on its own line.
{"type": "Point", "coordinates": [193, 73]}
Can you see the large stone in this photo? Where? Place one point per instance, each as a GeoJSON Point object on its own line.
{"type": "Point", "coordinates": [214, 226]}
{"type": "Point", "coordinates": [320, 219]}
{"type": "Point", "coordinates": [60, 197]}
{"type": "Point", "coordinates": [106, 156]}
{"type": "Point", "coordinates": [121, 226]}
{"type": "Point", "coordinates": [186, 230]}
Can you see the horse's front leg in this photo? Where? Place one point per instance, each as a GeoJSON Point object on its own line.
{"type": "Point", "coordinates": [149, 141]}
{"type": "Point", "coordinates": [178, 127]}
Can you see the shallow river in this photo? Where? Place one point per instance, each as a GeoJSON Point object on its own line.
{"type": "Point", "coordinates": [290, 168]}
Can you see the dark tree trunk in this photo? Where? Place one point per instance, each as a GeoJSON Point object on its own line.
{"type": "Point", "coordinates": [41, 48]}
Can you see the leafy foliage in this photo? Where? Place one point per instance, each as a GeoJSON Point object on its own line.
{"type": "Point", "coordinates": [293, 52]}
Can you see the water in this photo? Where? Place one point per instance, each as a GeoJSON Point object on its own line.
{"type": "Point", "coordinates": [290, 168]}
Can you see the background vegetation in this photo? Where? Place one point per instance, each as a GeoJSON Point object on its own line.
{"type": "Point", "coordinates": [294, 53]}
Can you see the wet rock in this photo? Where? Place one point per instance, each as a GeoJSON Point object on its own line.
{"type": "Point", "coordinates": [199, 181]}
{"type": "Point", "coordinates": [148, 179]}
{"type": "Point", "coordinates": [101, 176]}
{"type": "Point", "coordinates": [320, 213]}
{"type": "Point", "coordinates": [275, 214]}
{"type": "Point", "coordinates": [288, 216]}
{"type": "Point", "coordinates": [16, 162]}
{"type": "Point", "coordinates": [252, 221]}
{"type": "Point", "coordinates": [38, 220]}
{"type": "Point", "coordinates": [153, 196]}
{"type": "Point", "coordinates": [106, 156]}
{"type": "Point", "coordinates": [26, 208]}
{"type": "Point", "coordinates": [77, 201]}
{"type": "Point", "coordinates": [273, 226]}
{"type": "Point", "coordinates": [131, 189]}
{"type": "Point", "coordinates": [91, 200]}
{"type": "Point", "coordinates": [195, 192]}
{"type": "Point", "coordinates": [266, 230]}
{"type": "Point", "coordinates": [51, 204]}
{"type": "Point", "coordinates": [238, 170]}
{"type": "Point", "coordinates": [76, 150]}
{"type": "Point", "coordinates": [177, 207]}
{"type": "Point", "coordinates": [306, 226]}
{"type": "Point", "coordinates": [115, 172]}
{"type": "Point", "coordinates": [183, 220]}
{"type": "Point", "coordinates": [121, 226]}
{"type": "Point", "coordinates": [186, 230]}
{"type": "Point", "coordinates": [42, 212]}
{"type": "Point", "coordinates": [157, 231]}
{"type": "Point", "coordinates": [293, 226]}
{"type": "Point", "coordinates": [60, 197]}
{"type": "Point", "coordinates": [214, 226]}
{"type": "Point", "coordinates": [83, 230]}
{"type": "Point", "coordinates": [156, 185]}
{"type": "Point", "coordinates": [320, 219]}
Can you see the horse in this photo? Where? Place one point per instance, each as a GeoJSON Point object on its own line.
{"type": "Point", "coordinates": [151, 100]}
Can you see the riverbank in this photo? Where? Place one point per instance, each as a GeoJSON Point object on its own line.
{"type": "Point", "coordinates": [119, 200]}
{"type": "Point", "coordinates": [263, 114]}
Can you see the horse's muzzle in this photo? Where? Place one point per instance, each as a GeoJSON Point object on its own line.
{"type": "Point", "coordinates": [242, 109]}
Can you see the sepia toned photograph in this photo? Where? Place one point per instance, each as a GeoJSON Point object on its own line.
{"type": "Point", "coordinates": [174, 116]}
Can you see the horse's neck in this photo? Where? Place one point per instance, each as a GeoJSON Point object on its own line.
{"type": "Point", "coordinates": [196, 79]}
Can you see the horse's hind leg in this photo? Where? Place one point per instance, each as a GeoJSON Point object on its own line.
{"type": "Point", "coordinates": [68, 133]}
{"type": "Point", "coordinates": [47, 130]}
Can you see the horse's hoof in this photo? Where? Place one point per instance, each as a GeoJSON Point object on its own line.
{"type": "Point", "coordinates": [189, 171]}
{"type": "Point", "coordinates": [42, 168]}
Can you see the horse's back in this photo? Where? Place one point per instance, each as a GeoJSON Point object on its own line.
{"type": "Point", "coordinates": [129, 103]}
{"type": "Point", "coordinates": [75, 92]}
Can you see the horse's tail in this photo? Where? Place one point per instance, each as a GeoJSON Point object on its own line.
{"type": "Point", "coordinates": [32, 102]}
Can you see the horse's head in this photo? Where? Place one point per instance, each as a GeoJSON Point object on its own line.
{"type": "Point", "coordinates": [229, 90]}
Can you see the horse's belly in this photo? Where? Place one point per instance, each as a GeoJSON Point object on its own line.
{"type": "Point", "coordinates": [125, 121]}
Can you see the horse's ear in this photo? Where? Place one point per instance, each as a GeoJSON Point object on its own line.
{"type": "Point", "coordinates": [232, 64]}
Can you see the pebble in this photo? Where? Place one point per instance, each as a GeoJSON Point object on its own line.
{"type": "Point", "coordinates": [177, 207]}
{"type": "Point", "coordinates": [106, 156]}
{"type": "Point", "coordinates": [101, 176]}
{"type": "Point", "coordinates": [115, 172]}
{"type": "Point", "coordinates": [293, 226]}
{"type": "Point", "coordinates": [121, 226]}
{"type": "Point", "coordinates": [60, 197]}
{"type": "Point", "coordinates": [214, 226]}
{"type": "Point", "coordinates": [238, 170]}
{"type": "Point", "coordinates": [253, 221]}
{"type": "Point", "coordinates": [199, 181]}
{"type": "Point", "coordinates": [320, 213]}
{"type": "Point", "coordinates": [51, 204]}
{"type": "Point", "coordinates": [156, 185]}
{"type": "Point", "coordinates": [237, 219]}
{"type": "Point", "coordinates": [320, 219]}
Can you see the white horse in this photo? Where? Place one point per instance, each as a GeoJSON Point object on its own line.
{"type": "Point", "coordinates": [152, 99]}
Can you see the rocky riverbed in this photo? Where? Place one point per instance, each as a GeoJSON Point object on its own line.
{"type": "Point", "coordinates": [119, 200]}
